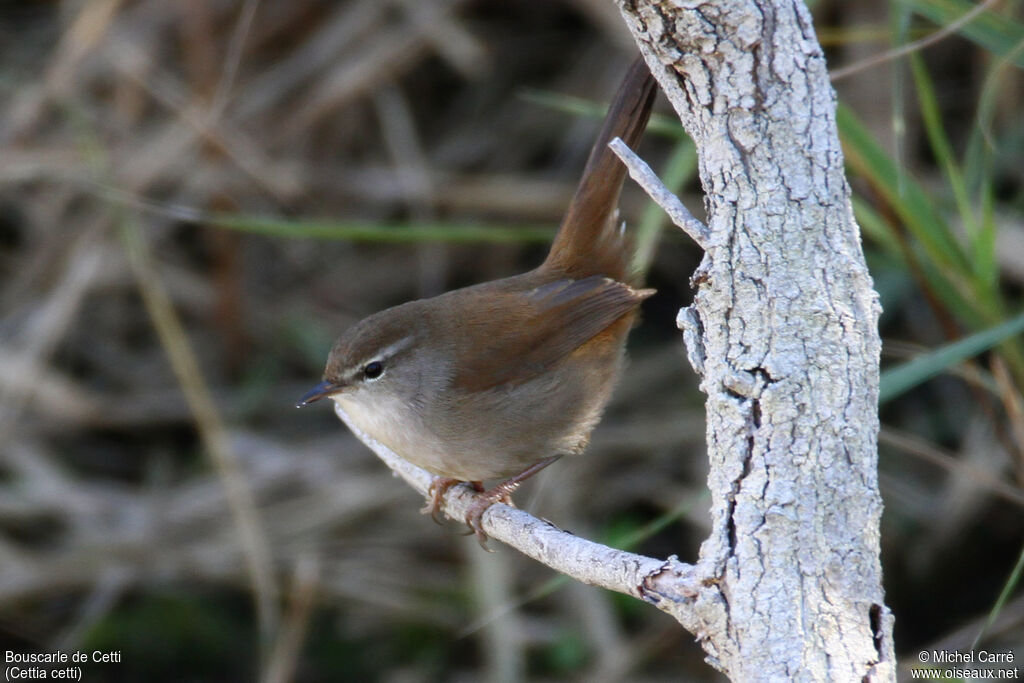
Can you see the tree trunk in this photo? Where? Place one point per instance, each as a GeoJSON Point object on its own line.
{"type": "Point", "coordinates": [783, 332]}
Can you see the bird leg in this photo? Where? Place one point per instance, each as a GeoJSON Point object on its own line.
{"type": "Point", "coordinates": [499, 493]}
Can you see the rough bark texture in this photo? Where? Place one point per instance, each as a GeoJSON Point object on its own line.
{"type": "Point", "coordinates": [783, 332]}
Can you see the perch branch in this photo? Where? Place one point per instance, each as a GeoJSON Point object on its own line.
{"type": "Point", "coordinates": [668, 584]}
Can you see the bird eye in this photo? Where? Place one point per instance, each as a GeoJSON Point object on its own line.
{"type": "Point", "coordinates": [373, 370]}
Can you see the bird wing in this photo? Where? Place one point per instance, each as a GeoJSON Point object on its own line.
{"type": "Point", "coordinates": [538, 327]}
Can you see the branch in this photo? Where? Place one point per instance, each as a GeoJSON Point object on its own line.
{"type": "Point", "coordinates": [662, 196]}
{"type": "Point", "coordinates": [668, 584]}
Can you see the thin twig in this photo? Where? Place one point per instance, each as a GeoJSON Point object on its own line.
{"type": "Point", "coordinates": [941, 34]}
{"type": "Point", "coordinates": [921, 449]}
{"type": "Point", "coordinates": [232, 60]}
{"type": "Point", "coordinates": [166, 91]}
{"type": "Point", "coordinates": [662, 196]}
{"type": "Point", "coordinates": [280, 667]}
{"type": "Point", "coordinates": [211, 428]}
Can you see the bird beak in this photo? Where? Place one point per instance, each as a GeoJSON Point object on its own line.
{"type": "Point", "coordinates": [322, 390]}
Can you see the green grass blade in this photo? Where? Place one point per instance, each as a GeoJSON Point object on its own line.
{"type": "Point", "coordinates": [678, 169]}
{"type": "Point", "coordinates": [659, 125]}
{"type": "Point", "coordinates": [996, 33]}
{"type": "Point", "coordinates": [910, 202]}
{"type": "Point", "coordinates": [1011, 584]}
{"type": "Point", "coordinates": [396, 233]}
{"type": "Point", "coordinates": [979, 165]}
{"type": "Point", "coordinates": [901, 379]}
{"type": "Point", "coordinates": [941, 147]}
{"type": "Point", "coordinates": [935, 250]}
{"type": "Point", "coordinates": [900, 19]}
{"type": "Point", "coordinates": [985, 245]}
{"type": "Point", "coordinates": [874, 226]}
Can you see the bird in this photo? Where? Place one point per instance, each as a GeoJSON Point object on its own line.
{"type": "Point", "coordinates": [495, 381]}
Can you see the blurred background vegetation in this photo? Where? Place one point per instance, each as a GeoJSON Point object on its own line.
{"type": "Point", "coordinates": [197, 196]}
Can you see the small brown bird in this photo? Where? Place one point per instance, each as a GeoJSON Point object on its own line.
{"type": "Point", "coordinates": [498, 380]}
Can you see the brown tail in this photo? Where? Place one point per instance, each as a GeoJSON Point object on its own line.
{"type": "Point", "coordinates": [589, 241]}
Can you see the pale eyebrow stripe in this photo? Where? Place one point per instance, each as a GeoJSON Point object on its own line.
{"type": "Point", "coordinates": [391, 350]}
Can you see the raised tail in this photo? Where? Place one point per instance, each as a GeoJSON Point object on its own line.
{"type": "Point", "coordinates": [589, 241]}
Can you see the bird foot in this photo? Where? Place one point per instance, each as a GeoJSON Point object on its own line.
{"type": "Point", "coordinates": [480, 505]}
{"type": "Point", "coordinates": [502, 493]}
{"type": "Point", "coordinates": [435, 496]}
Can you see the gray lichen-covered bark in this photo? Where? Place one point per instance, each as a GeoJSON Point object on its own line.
{"type": "Point", "coordinates": [783, 333]}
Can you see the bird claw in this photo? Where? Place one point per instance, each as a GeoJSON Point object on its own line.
{"type": "Point", "coordinates": [435, 497]}
{"type": "Point", "coordinates": [475, 515]}
{"type": "Point", "coordinates": [482, 503]}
